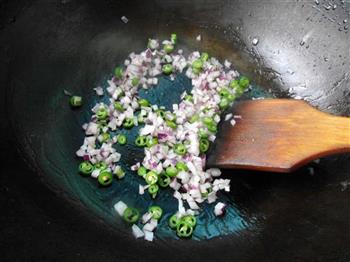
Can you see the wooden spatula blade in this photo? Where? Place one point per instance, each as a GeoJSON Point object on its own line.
{"type": "Point", "coordinates": [278, 135]}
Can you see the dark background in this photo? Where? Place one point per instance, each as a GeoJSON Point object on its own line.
{"type": "Point", "coordinates": [35, 224]}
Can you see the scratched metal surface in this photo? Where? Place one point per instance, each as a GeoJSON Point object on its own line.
{"type": "Point", "coordinates": [302, 51]}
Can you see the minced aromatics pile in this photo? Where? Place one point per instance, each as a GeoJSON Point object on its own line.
{"type": "Point", "coordinates": [175, 142]}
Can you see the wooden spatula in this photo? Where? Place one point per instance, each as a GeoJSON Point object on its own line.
{"type": "Point", "coordinates": [278, 135]}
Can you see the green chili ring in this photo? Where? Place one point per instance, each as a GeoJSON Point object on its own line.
{"type": "Point", "coordinates": [156, 212]}
{"type": "Point", "coordinates": [180, 149]}
{"type": "Point", "coordinates": [122, 139]}
{"type": "Point", "coordinates": [142, 171]}
{"type": "Point", "coordinates": [153, 190]}
{"type": "Point", "coordinates": [131, 215]}
{"type": "Point", "coordinates": [105, 178]}
{"type": "Point", "coordinates": [184, 229]}
{"type": "Point", "coordinates": [128, 123]}
{"type": "Point", "coordinates": [173, 221]}
{"type": "Point", "coordinates": [151, 178]}
{"type": "Point", "coordinates": [101, 113]}
{"type": "Point", "coordinates": [101, 165]}
{"type": "Point", "coordinates": [190, 220]}
{"type": "Point", "coordinates": [181, 166]}
{"type": "Point", "coordinates": [164, 180]}
{"type": "Point", "coordinates": [151, 141]}
{"type": "Point", "coordinates": [203, 145]}
{"type": "Point", "coordinates": [140, 141]}
{"type": "Point", "coordinates": [86, 168]}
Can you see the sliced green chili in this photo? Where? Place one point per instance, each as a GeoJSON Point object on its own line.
{"type": "Point", "coordinates": [143, 102]}
{"type": "Point", "coordinates": [151, 178]}
{"type": "Point", "coordinates": [234, 84]}
{"type": "Point", "coordinates": [231, 97]}
{"type": "Point", "coordinates": [164, 180]}
{"type": "Point", "coordinates": [102, 113]}
{"type": "Point", "coordinates": [105, 178]}
{"type": "Point", "coordinates": [208, 121]}
{"type": "Point", "coordinates": [188, 98]}
{"type": "Point", "coordinates": [197, 64]}
{"type": "Point", "coordinates": [204, 57]}
{"type": "Point", "coordinates": [122, 139]}
{"type": "Point", "coordinates": [140, 119]}
{"type": "Point", "coordinates": [184, 230]}
{"type": "Point", "coordinates": [101, 165]}
{"type": "Point", "coordinates": [203, 145]}
{"type": "Point", "coordinates": [212, 128]}
{"type": "Point", "coordinates": [153, 190]}
{"type": "Point", "coordinates": [190, 220]}
{"type": "Point", "coordinates": [142, 171]}
{"type": "Point", "coordinates": [181, 166]}
{"type": "Point", "coordinates": [86, 168]}
{"type": "Point", "coordinates": [128, 123]}
{"type": "Point", "coordinates": [224, 92]}
{"type": "Point", "coordinates": [173, 38]}
{"type": "Point", "coordinates": [161, 113]}
{"type": "Point", "coordinates": [118, 72]}
{"type": "Point", "coordinates": [224, 103]}
{"type": "Point", "coordinates": [141, 141]}
{"type": "Point", "coordinates": [171, 171]}
{"type": "Point", "coordinates": [105, 137]}
{"type": "Point", "coordinates": [118, 106]}
{"type": "Point", "coordinates": [202, 133]}
{"type": "Point", "coordinates": [167, 69]}
{"type": "Point", "coordinates": [171, 124]}
{"type": "Point", "coordinates": [156, 212]}
{"type": "Point", "coordinates": [131, 215]}
{"type": "Point", "coordinates": [76, 101]}
{"type": "Point", "coordinates": [180, 149]}
{"type": "Point", "coordinates": [173, 221]}
{"type": "Point", "coordinates": [135, 81]}
{"type": "Point", "coordinates": [119, 173]}
{"type": "Point", "coordinates": [168, 48]}
{"type": "Point", "coordinates": [194, 118]}
{"type": "Point", "coordinates": [244, 82]}
{"type": "Point", "coordinates": [151, 141]}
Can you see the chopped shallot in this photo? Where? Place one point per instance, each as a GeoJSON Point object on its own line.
{"type": "Point", "coordinates": [99, 91]}
{"type": "Point", "coordinates": [219, 209]}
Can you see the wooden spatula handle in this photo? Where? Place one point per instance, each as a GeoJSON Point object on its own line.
{"type": "Point", "coordinates": [279, 135]}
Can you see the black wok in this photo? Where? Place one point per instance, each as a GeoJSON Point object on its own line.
{"type": "Point", "coordinates": [46, 46]}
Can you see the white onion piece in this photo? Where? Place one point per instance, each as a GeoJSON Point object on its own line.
{"type": "Point", "coordinates": [146, 217]}
{"type": "Point", "coordinates": [215, 172]}
{"type": "Point", "coordinates": [137, 232]}
{"type": "Point", "coordinates": [95, 173]}
{"type": "Point", "coordinates": [219, 209]}
{"type": "Point", "coordinates": [151, 225]}
{"type": "Point", "coordinates": [80, 153]}
{"type": "Point", "coordinates": [149, 235]}
{"type": "Point", "coordinates": [120, 207]}
{"type": "Point", "coordinates": [227, 64]}
{"type": "Point", "coordinates": [141, 190]}
{"type": "Point", "coordinates": [99, 91]}
{"type": "Point", "coordinates": [228, 116]}
{"type": "Point", "coordinates": [92, 129]}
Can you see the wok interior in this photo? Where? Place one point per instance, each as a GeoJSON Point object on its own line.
{"type": "Point", "coordinates": [74, 46]}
